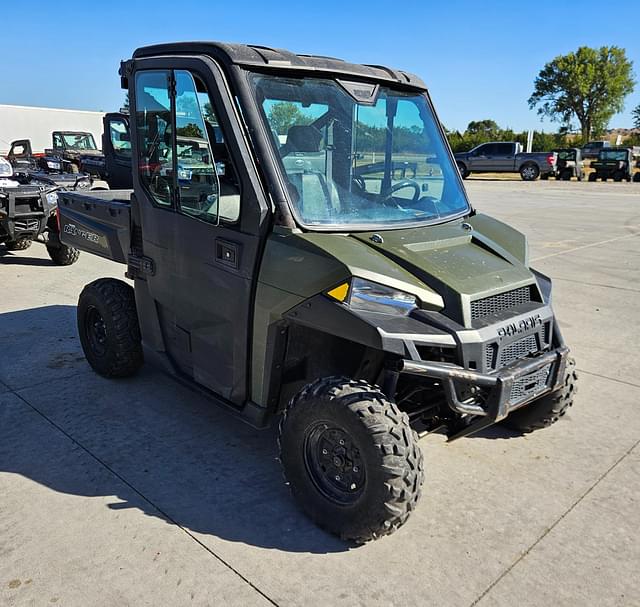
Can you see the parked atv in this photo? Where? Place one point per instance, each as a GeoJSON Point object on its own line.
{"type": "Point", "coordinates": [329, 272]}
{"type": "Point", "coordinates": [27, 211]}
{"type": "Point", "coordinates": [613, 163]}
{"type": "Point", "coordinates": [569, 164]}
{"type": "Point", "coordinates": [76, 149]}
{"type": "Point", "coordinates": [52, 167]}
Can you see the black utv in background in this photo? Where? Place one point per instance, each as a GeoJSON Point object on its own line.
{"type": "Point", "coordinates": [613, 163]}
{"type": "Point", "coordinates": [114, 164]}
{"type": "Point", "coordinates": [28, 210]}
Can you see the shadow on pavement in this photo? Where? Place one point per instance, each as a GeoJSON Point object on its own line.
{"type": "Point", "coordinates": [171, 452]}
{"type": "Point", "coordinates": [11, 259]}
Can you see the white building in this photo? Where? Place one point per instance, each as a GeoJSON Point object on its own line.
{"type": "Point", "coordinates": [37, 124]}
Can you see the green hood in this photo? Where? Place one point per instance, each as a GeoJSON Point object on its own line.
{"type": "Point", "coordinates": [441, 265]}
{"type": "Point", "coordinates": [477, 258]}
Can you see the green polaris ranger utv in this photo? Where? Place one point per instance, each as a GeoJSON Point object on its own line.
{"type": "Point", "coordinates": [314, 258]}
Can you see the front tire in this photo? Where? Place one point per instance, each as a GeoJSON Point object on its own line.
{"type": "Point", "coordinates": [529, 172]}
{"type": "Point", "coordinates": [548, 409]}
{"type": "Point", "coordinates": [351, 459]}
{"type": "Point", "coordinates": [62, 255]}
{"type": "Point", "coordinates": [464, 172]}
{"type": "Point", "coordinates": [108, 328]}
{"type": "Point", "coordinates": [636, 177]}
{"type": "Point", "coordinates": [18, 245]}
{"type": "Point", "coordinates": [593, 176]}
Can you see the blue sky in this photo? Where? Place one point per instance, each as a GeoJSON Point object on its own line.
{"type": "Point", "coordinates": [478, 58]}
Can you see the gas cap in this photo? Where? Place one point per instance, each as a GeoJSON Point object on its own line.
{"type": "Point", "coordinates": [467, 226]}
{"type": "Point", "coordinates": [376, 238]}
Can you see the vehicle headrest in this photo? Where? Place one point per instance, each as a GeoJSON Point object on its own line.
{"type": "Point", "coordinates": [303, 138]}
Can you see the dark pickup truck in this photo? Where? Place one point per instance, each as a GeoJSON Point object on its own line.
{"type": "Point", "coordinates": [505, 157]}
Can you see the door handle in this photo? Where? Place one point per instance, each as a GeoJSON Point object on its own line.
{"type": "Point", "coordinates": [228, 253]}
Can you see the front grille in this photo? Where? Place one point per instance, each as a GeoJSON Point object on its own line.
{"type": "Point", "coordinates": [497, 303]}
{"type": "Point", "coordinates": [26, 225]}
{"type": "Point", "coordinates": [529, 385]}
{"type": "Point", "coordinates": [518, 349]}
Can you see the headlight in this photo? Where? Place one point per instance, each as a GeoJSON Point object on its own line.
{"type": "Point", "coordinates": [52, 198]}
{"type": "Point", "coordinates": [362, 294]}
{"type": "Point", "coordinates": [6, 170]}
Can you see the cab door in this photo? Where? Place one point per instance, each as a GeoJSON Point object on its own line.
{"type": "Point", "coordinates": [116, 147]}
{"type": "Point", "coordinates": [201, 214]}
{"type": "Point", "coordinates": [482, 157]}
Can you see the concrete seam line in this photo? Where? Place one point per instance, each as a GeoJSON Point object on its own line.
{"type": "Point", "coordinates": [595, 284]}
{"type": "Point", "coordinates": [146, 499]}
{"type": "Point", "coordinates": [619, 381]}
{"type": "Point", "coordinates": [553, 526]}
{"type": "Point", "coordinates": [40, 383]}
{"type": "Point", "coordinates": [586, 246]}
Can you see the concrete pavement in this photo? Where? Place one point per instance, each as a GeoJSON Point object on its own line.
{"type": "Point", "coordinates": [139, 492]}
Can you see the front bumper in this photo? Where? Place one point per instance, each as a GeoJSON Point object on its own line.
{"type": "Point", "coordinates": [21, 217]}
{"type": "Point", "coordinates": [506, 390]}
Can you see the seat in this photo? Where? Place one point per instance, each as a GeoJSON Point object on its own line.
{"type": "Point", "coordinates": [306, 166]}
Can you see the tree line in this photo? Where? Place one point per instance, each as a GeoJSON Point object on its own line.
{"type": "Point", "coordinates": [581, 91]}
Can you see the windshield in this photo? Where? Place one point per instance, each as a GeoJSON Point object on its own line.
{"type": "Point", "coordinates": [79, 141]}
{"type": "Point", "coordinates": [378, 163]}
{"type": "Point", "coordinates": [613, 155]}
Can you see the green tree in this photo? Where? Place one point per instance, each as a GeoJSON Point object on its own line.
{"type": "Point", "coordinates": [483, 127]}
{"type": "Point", "coordinates": [190, 130]}
{"type": "Point", "coordinates": [209, 114]}
{"type": "Point", "coordinates": [590, 84]}
{"type": "Point", "coordinates": [636, 117]}
{"type": "Point", "coordinates": [285, 114]}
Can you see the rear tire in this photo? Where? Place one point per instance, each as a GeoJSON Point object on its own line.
{"type": "Point", "coordinates": [62, 255]}
{"type": "Point", "coordinates": [593, 177]}
{"type": "Point", "coordinates": [529, 172]}
{"type": "Point", "coordinates": [548, 409]}
{"type": "Point", "coordinates": [636, 177]}
{"type": "Point", "coordinates": [351, 459]}
{"type": "Point", "coordinates": [108, 328]}
{"type": "Point", "coordinates": [18, 245]}
{"type": "Point", "coordinates": [566, 175]}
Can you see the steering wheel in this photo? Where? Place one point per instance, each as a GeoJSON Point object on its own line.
{"type": "Point", "coordinates": [405, 183]}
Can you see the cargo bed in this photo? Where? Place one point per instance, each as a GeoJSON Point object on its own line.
{"type": "Point", "coordinates": [97, 222]}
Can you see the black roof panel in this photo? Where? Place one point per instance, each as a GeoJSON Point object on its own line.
{"type": "Point", "coordinates": [266, 57]}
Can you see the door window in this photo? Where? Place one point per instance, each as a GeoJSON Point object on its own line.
{"type": "Point", "coordinates": [155, 135]}
{"type": "Point", "coordinates": [198, 184]}
{"type": "Point", "coordinates": [57, 141]}
{"type": "Point", "coordinates": [504, 149]}
{"type": "Point", "coordinates": [119, 135]}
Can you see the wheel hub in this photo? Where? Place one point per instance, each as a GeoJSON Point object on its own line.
{"type": "Point", "coordinates": [334, 463]}
{"type": "Point", "coordinates": [96, 331]}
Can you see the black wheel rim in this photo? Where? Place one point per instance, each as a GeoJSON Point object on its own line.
{"type": "Point", "coordinates": [95, 331]}
{"type": "Point", "coordinates": [334, 463]}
